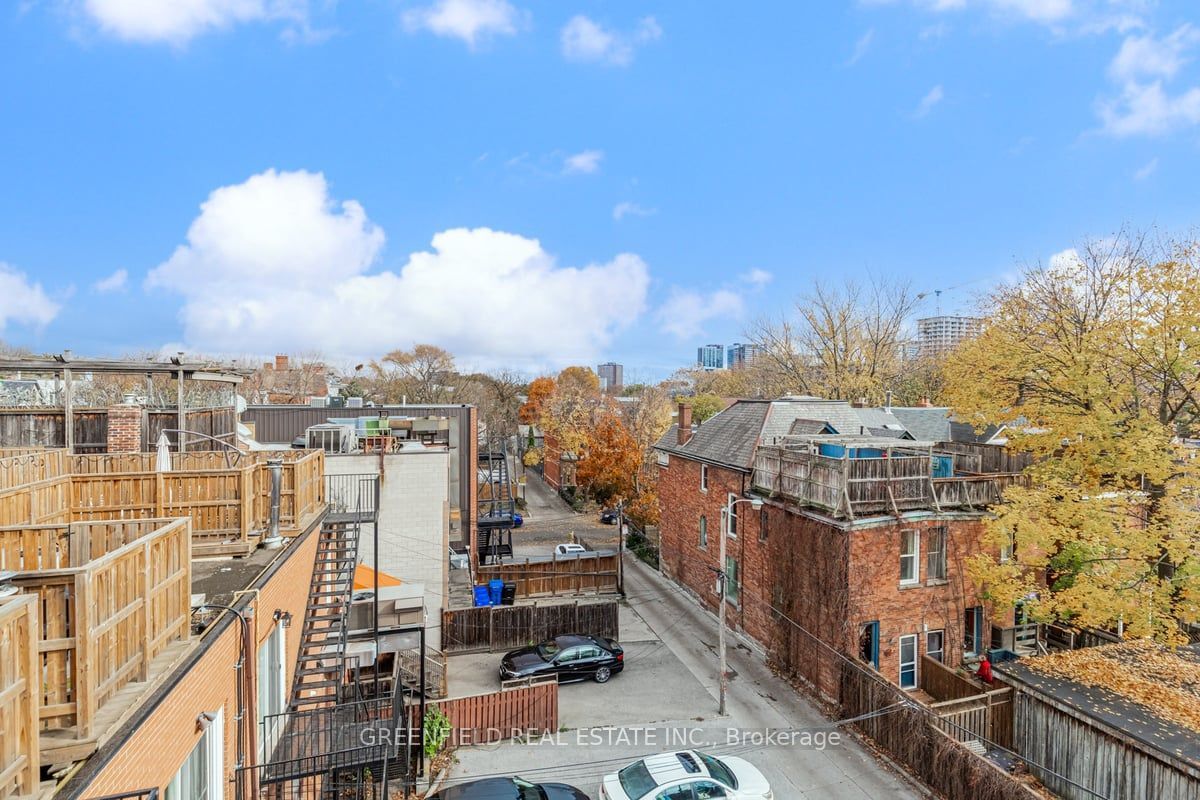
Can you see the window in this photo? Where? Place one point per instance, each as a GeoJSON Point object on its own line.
{"type": "Point", "coordinates": [572, 654]}
{"type": "Point", "coordinates": [934, 645]}
{"type": "Point", "coordinates": [1006, 550]}
{"type": "Point", "coordinates": [868, 644]}
{"type": "Point", "coordinates": [731, 579]}
{"type": "Point", "coordinates": [762, 524]}
{"type": "Point", "coordinates": [935, 555]}
{"type": "Point", "coordinates": [704, 477]}
{"type": "Point", "coordinates": [703, 532]}
{"type": "Point", "coordinates": [910, 554]}
{"type": "Point", "coordinates": [675, 793]}
{"type": "Point", "coordinates": [731, 515]}
{"type": "Point", "coordinates": [973, 630]}
{"type": "Point", "coordinates": [272, 685]}
{"type": "Point", "coordinates": [201, 775]}
{"type": "Point", "coordinates": [707, 790]}
{"type": "Point", "coordinates": [908, 661]}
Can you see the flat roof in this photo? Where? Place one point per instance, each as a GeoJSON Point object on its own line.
{"type": "Point", "coordinates": [1149, 726]}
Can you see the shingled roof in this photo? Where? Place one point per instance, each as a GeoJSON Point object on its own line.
{"type": "Point", "coordinates": [727, 438]}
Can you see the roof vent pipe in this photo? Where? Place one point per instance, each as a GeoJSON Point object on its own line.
{"type": "Point", "coordinates": [273, 540]}
{"type": "Point", "coordinates": [887, 401]}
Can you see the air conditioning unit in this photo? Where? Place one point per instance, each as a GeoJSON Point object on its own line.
{"type": "Point", "coordinates": [318, 402]}
{"type": "Point", "coordinates": [331, 438]}
{"type": "Point", "coordinates": [354, 402]}
{"type": "Point", "coordinates": [399, 606]}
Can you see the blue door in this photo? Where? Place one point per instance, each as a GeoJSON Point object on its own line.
{"type": "Point", "coordinates": [868, 644]}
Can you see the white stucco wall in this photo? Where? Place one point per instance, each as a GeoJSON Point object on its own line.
{"type": "Point", "coordinates": [414, 522]}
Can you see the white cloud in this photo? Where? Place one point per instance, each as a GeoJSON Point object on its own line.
{"type": "Point", "coordinates": [631, 209]}
{"type": "Point", "coordinates": [758, 278]}
{"type": "Point", "coordinates": [684, 312]}
{"type": "Point", "coordinates": [1086, 16]}
{"type": "Point", "coordinates": [178, 21]}
{"type": "Point", "coordinates": [1148, 57]}
{"type": "Point", "coordinates": [23, 301]}
{"type": "Point", "coordinates": [112, 283]}
{"type": "Point", "coordinates": [583, 39]}
{"type": "Point", "coordinates": [1146, 109]}
{"type": "Point", "coordinates": [1065, 259]}
{"type": "Point", "coordinates": [275, 264]}
{"type": "Point", "coordinates": [861, 47]}
{"type": "Point", "coordinates": [469, 20]}
{"type": "Point", "coordinates": [931, 99]}
{"type": "Point", "coordinates": [1146, 170]}
{"type": "Point", "coordinates": [583, 163]}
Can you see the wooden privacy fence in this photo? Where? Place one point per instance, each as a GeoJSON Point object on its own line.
{"type": "Point", "coordinates": [226, 495]}
{"type": "Point", "coordinates": [943, 683]}
{"type": "Point", "coordinates": [19, 760]}
{"type": "Point", "coordinates": [509, 713]}
{"type": "Point", "coordinates": [104, 621]}
{"type": "Point", "coordinates": [986, 716]}
{"type": "Point", "coordinates": [45, 547]}
{"type": "Point", "coordinates": [586, 573]}
{"type": "Point", "coordinates": [507, 627]}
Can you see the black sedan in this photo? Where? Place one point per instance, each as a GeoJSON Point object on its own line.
{"type": "Point", "coordinates": [608, 516]}
{"type": "Point", "coordinates": [509, 789]}
{"type": "Point", "coordinates": [573, 657]}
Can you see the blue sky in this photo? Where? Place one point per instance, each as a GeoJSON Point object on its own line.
{"type": "Point", "coordinates": [536, 183]}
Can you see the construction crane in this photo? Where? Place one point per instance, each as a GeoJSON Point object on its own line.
{"type": "Point", "coordinates": [937, 293]}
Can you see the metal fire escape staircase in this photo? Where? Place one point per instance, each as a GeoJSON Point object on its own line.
{"type": "Point", "coordinates": [496, 504]}
{"type": "Point", "coordinates": [321, 663]}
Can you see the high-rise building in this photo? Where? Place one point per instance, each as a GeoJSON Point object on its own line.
{"type": "Point", "coordinates": [612, 376]}
{"type": "Point", "coordinates": [740, 355]}
{"type": "Point", "coordinates": [710, 356]}
{"type": "Point", "coordinates": [936, 335]}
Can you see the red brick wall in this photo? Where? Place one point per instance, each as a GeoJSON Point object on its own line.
{"type": "Point", "coordinates": [125, 429]}
{"type": "Point", "coordinates": [153, 754]}
{"type": "Point", "coordinates": [552, 462]}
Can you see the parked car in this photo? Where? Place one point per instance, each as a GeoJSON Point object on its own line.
{"type": "Point", "coordinates": [609, 516]}
{"type": "Point", "coordinates": [573, 657]}
{"type": "Point", "coordinates": [513, 788]}
{"type": "Point", "coordinates": [569, 549]}
{"type": "Point", "coordinates": [687, 775]}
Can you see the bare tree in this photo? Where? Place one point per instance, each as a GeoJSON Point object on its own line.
{"type": "Point", "coordinates": [424, 374]}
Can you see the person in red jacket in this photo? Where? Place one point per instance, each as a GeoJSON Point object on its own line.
{"type": "Point", "coordinates": [984, 673]}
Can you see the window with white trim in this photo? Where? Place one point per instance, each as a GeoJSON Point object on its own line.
{"type": "Point", "coordinates": [1006, 550]}
{"type": "Point", "coordinates": [731, 515]}
{"type": "Point", "coordinates": [910, 556]}
{"type": "Point", "coordinates": [704, 477]}
{"type": "Point", "coordinates": [908, 661]}
{"type": "Point", "coordinates": [935, 645]}
{"type": "Point", "coordinates": [272, 690]}
{"type": "Point", "coordinates": [703, 532]}
{"type": "Point", "coordinates": [935, 554]}
{"type": "Point", "coordinates": [201, 776]}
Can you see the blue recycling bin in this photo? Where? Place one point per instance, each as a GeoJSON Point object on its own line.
{"type": "Point", "coordinates": [495, 591]}
{"type": "Point", "coordinates": [482, 596]}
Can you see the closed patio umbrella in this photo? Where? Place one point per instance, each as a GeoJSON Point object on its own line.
{"type": "Point", "coordinates": [163, 462]}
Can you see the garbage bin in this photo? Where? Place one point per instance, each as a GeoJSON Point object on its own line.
{"type": "Point", "coordinates": [495, 590]}
{"type": "Point", "coordinates": [508, 595]}
{"type": "Point", "coordinates": [482, 598]}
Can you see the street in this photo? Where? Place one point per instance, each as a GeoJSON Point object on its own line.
{"type": "Point", "coordinates": [666, 699]}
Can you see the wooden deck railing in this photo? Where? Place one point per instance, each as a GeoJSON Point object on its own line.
{"type": "Point", "coordinates": [19, 760]}
{"type": "Point", "coordinates": [226, 495]}
{"type": "Point", "coordinates": [105, 619]}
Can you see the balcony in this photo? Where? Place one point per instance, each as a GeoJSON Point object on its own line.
{"type": "Point", "coordinates": [851, 477]}
{"type": "Point", "coordinates": [113, 599]}
{"type": "Point", "coordinates": [226, 495]}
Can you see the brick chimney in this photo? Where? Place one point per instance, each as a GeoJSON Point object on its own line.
{"type": "Point", "coordinates": [685, 423]}
{"type": "Point", "coordinates": [125, 426]}
{"type": "Point", "coordinates": [924, 402]}
{"type": "Point", "coordinates": [281, 363]}
{"type": "Point", "coordinates": [859, 403]}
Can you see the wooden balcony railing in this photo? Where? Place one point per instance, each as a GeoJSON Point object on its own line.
{"type": "Point", "coordinates": [106, 617]}
{"type": "Point", "coordinates": [226, 498]}
{"type": "Point", "coordinates": [19, 678]}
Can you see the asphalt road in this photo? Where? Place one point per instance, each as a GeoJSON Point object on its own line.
{"type": "Point", "coordinates": [667, 699]}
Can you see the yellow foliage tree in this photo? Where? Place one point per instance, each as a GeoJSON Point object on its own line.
{"type": "Point", "coordinates": [1094, 362]}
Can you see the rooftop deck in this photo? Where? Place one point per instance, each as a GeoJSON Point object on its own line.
{"type": "Point", "coordinates": [850, 477]}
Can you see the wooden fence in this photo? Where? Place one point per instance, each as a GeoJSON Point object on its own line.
{"type": "Point", "coordinates": [19, 758]}
{"type": "Point", "coordinates": [226, 495]}
{"type": "Point", "coordinates": [509, 713]}
{"type": "Point", "coordinates": [46, 427]}
{"type": "Point", "coordinates": [986, 716]}
{"type": "Point", "coordinates": [586, 573]}
{"type": "Point", "coordinates": [506, 627]}
{"type": "Point", "coordinates": [105, 620]}
{"type": "Point", "coordinates": [943, 683]}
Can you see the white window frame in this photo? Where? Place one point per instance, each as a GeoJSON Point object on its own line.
{"type": "Point", "coordinates": [703, 532]}
{"type": "Point", "coordinates": [941, 651]}
{"type": "Point", "coordinates": [731, 516]}
{"type": "Point", "coordinates": [213, 742]}
{"type": "Point", "coordinates": [1007, 550]}
{"type": "Point", "coordinates": [915, 557]}
{"type": "Point", "coordinates": [944, 534]}
{"type": "Point", "coordinates": [704, 477]}
{"type": "Point", "coordinates": [273, 649]}
{"type": "Point", "coordinates": [900, 659]}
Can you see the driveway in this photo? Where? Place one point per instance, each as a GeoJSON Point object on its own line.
{"type": "Point", "coordinates": [667, 699]}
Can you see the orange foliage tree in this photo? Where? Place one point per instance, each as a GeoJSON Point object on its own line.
{"type": "Point", "coordinates": [611, 459]}
{"type": "Point", "coordinates": [540, 391]}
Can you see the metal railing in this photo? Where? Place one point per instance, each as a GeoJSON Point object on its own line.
{"type": "Point", "coordinates": [354, 493]}
{"type": "Point", "coordinates": [138, 794]}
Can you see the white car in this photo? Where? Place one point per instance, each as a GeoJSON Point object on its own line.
{"type": "Point", "coordinates": [570, 549]}
{"type": "Point", "coordinates": [687, 775]}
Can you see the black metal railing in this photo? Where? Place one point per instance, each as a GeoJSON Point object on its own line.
{"type": "Point", "coordinates": [353, 494]}
{"type": "Point", "coordinates": [139, 794]}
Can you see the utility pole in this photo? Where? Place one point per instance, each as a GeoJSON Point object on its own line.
{"type": "Point", "coordinates": [621, 547]}
{"type": "Point", "coordinates": [722, 583]}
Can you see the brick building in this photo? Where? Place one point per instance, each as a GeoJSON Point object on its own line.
{"type": "Point", "coordinates": [861, 539]}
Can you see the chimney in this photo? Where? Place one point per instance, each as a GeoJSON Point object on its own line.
{"type": "Point", "coordinates": [887, 400]}
{"type": "Point", "coordinates": [281, 363]}
{"type": "Point", "coordinates": [124, 433]}
{"type": "Point", "coordinates": [685, 423]}
{"type": "Point", "coordinates": [924, 402]}
{"type": "Point", "coordinates": [267, 365]}
{"type": "Point", "coordinates": [859, 403]}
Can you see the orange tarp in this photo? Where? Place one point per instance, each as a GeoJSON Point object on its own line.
{"type": "Point", "coordinates": [364, 578]}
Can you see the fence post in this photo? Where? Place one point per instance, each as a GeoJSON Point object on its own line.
{"type": "Point", "coordinates": [491, 629]}
{"type": "Point", "coordinates": [159, 492]}
{"type": "Point", "coordinates": [84, 678]}
{"type": "Point", "coordinates": [146, 612]}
